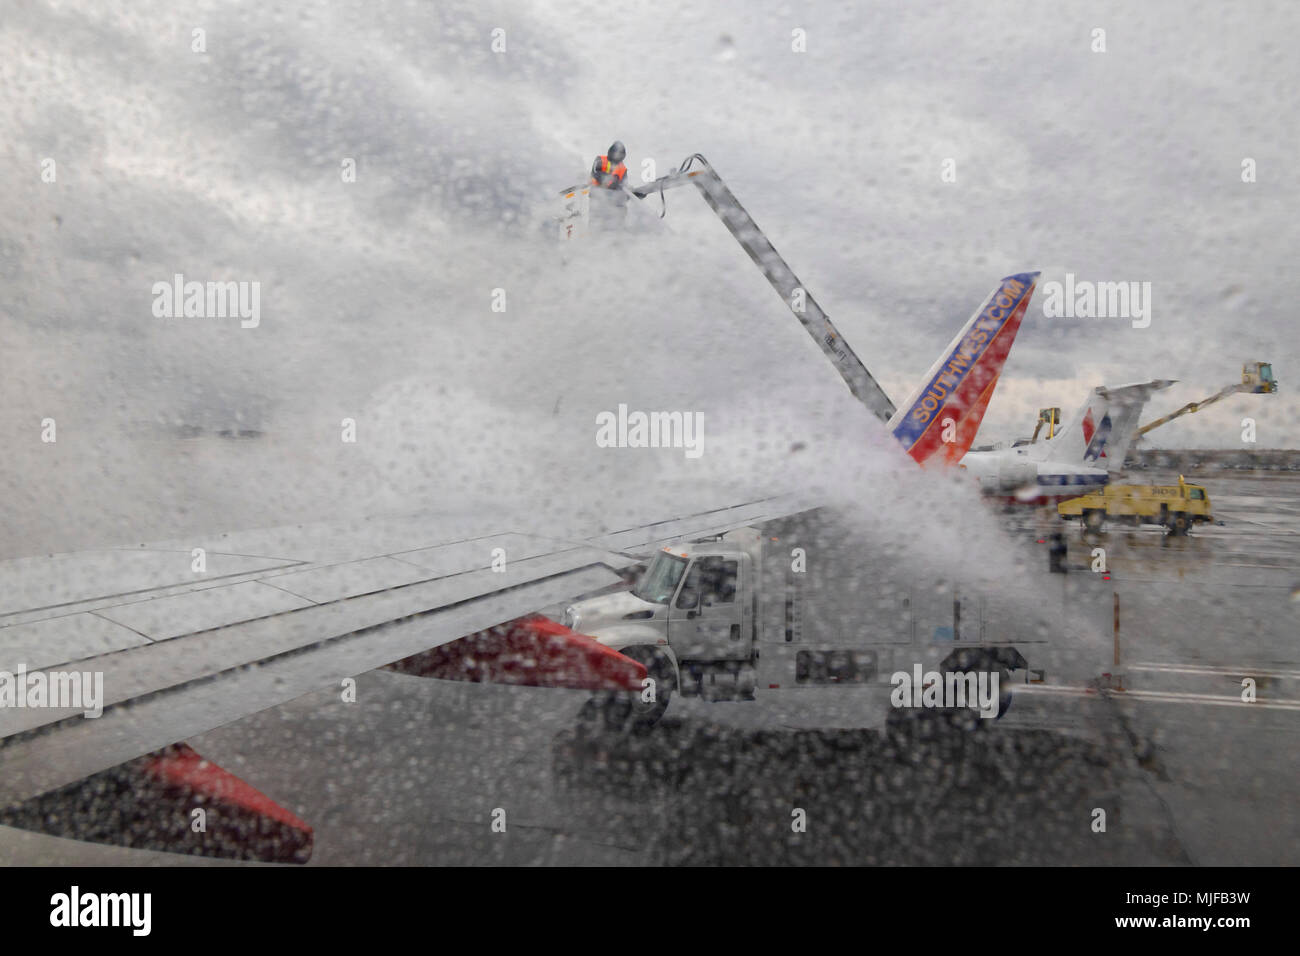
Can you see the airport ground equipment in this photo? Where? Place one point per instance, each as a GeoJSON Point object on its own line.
{"type": "Point", "coordinates": [1176, 507]}
{"type": "Point", "coordinates": [696, 171]}
{"type": "Point", "coordinates": [795, 605]}
{"type": "Point", "coordinates": [1256, 379]}
{"type": "Point", "coordinates": [1051, 417]}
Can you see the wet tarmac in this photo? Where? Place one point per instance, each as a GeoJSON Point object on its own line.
{"type": "Point", "coordinates": [1163, 749]}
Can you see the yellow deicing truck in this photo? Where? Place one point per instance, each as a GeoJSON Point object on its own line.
{"type": "Point", "coordinates": [1176, 507]}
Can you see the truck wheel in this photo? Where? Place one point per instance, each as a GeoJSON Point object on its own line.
{"type": "Point", "coordinates": [1005, 696]}
{"type": "Point", "coordinates": [970, 720]}
{"type": "Point", "coordinates": [623, 711]}
{"type": "Point", "coordinates": [1092, 519]}
{"type": "Point", "coordinates": [1180, 524]}
{"type": "Point", "coordinates": [659, 668]}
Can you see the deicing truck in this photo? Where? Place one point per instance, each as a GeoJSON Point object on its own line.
{"type": "Point", "coordinates": [1176, 507]}
{"type": "Point", "coordinates": [800, 605]}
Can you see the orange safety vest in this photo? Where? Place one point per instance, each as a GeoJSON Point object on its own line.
{"type": "Point", "coordinates": [619, 172]}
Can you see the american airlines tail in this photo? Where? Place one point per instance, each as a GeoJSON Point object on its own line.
{"type": "Point", "coordinates": [1100, 433]}
{"type": "Point", "coordinates": [939, 420]}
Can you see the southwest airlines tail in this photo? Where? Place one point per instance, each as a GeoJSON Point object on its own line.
{"type": "Point", "coordinates": [939, 420]}
{"type": "Point", "coordinates": [1100, 433]}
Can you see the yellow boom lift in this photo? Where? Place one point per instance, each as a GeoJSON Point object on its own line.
{"type": "Point", "coordinates": [1256, 378]}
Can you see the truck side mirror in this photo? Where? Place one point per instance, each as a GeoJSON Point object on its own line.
{"type": "Point", "coordinates": [689, 599]}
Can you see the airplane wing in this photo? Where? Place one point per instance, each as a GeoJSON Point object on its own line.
{"type": "Point", "coordinates": [271, 615]}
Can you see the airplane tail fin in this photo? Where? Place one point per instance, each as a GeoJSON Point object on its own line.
{"type": "Point", "coordinates": [1102, 430]}
{"type": "Point", "coordinates": [939, 420]}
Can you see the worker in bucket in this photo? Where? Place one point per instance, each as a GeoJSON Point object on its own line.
{"type": "Point", "coordinates": [608, 171]}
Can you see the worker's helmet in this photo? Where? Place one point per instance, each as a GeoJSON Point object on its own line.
{"type": "Point", "coordinates": [617, 152]}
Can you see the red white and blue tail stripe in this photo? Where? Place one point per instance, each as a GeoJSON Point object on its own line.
{"type": "Point", "coordinates": [939, 420]}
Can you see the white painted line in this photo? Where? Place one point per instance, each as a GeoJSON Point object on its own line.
{"type": "Point", "coordinates": [1059, 689]}
{"type": "Point", "coordinates": [1212, 669]}
{"type": "Point", "coordinates": [1168, 697]}
{"type": "Point", "coordinates": [1214, 699]}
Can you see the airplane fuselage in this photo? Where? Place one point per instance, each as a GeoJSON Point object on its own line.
{"type": "Point", "coordinates": [1013, 475]}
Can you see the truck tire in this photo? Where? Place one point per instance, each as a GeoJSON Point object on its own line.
{"type": "Point", "coordinates": [1179, 523]}
{"type": "Point", "coordinates": [626, 711]}
{"type": "Point", "coordinates": [969, 720]}
{"type": "Point", "coordinates": [928, 725]}
{"type": "Point", "coordinates": [659, 668]}
{"type": "Point", "coordinates": [1093, 518]}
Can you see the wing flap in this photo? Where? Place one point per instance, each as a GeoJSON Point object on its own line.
{"type": "Point", "coordinates": [336, 582]}
{"type": "Point", "coordinates": [62, 581]}
{"type": "Point", "coordinates": [157, 800]}
{"type": "Point", "coordinates": [61, 639]}
{"type": "Point", "coordinates": [533, 651]}
{"type": "Point", "coordinates": [165, 618]}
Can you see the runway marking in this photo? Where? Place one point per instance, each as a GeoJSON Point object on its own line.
{"type": "Point", "coordinates": [1060, 689]}
{"type": "Point", "coordinates": [1168, 697]}
{"type": "Point", "coordinates": [1213, 669]}
{"type": "Point", "coordinates": [1212, 699]}
{"type": "Point", "coordinates": [1269, 527]}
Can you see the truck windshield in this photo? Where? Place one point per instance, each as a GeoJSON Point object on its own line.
{"type": "Point", "coordinates": [660, 579]}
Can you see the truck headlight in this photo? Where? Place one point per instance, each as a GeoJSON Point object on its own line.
{"type": "Point", "coordinates": [571, 618]}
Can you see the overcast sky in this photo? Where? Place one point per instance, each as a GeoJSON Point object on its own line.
{"type": "Point", "coordinates": [225, 164]}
